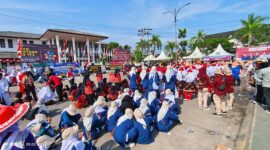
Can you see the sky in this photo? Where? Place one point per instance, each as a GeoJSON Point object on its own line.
{"type": "Point", "coordinates": [121, 19]}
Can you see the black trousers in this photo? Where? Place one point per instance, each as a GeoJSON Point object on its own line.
{"type": "Point", "coordinates": [118, 86]}
{"type": "Point", "coordinates": [31, 89]}
{"type": "Point", "coordinates": [259, 95]}
{"type": "Point", "coordinates": [90, 99]}
{"type": "Point", "coordinates": [59, 91]}
{"type": "Point", "coordinates": [266, 94]}
{"type": "Point", "coordinates": [237, 82]}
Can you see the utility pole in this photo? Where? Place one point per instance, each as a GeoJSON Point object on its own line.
{"type": "Point", "coordinates": [145, 32]}
{"type": "Point", "coordinates": [175, 13]}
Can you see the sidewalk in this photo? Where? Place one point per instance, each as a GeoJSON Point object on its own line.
{"type": "Point", "coordinates": [260, 139]}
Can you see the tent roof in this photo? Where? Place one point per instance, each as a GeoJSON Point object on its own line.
{"type": "Point", "coordinates": [149, 58]}
{"type": "Point", "coordinates": [196, 54]}
{"type": "Point", "coordinates": [162, 56]}
{"type": "Point", "coordinates": [219, 52]}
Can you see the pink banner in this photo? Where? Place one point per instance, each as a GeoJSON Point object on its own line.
{"type": "Point", "coordinates": [252, 52]}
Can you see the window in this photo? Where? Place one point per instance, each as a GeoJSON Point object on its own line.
{"type": "Point", "coordinates": [31, 42]}
{"type": "Point", "coordinates": [44, 42]}
{"type": "Point", "coordinates": [10, 43]}
{"type": "Point", "coordinates": [24, 41]}
{"type": "Point", "coordinates": [2, 43]}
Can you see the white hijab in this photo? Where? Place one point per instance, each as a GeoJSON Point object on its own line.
{"type": "Point", "coordinates": [137, 96]}
{"type": "Point", "coordinates": [170, 97]}
{"type": "Point", "coordinates": [169, 73]}
{"type": "Point", "coordinates": [142, 122]}
{"type": "Point", "coordinates": [152, 96]}
{"type": "Point", "coordinates": [124, 118]}
{"type": "Point", "coordinates": [87, 122]}
{"type": "Point", "coordinates": [162, 111]}
{"type": "Point", "coordinates": [111, 111]}
{"type": "Point", "coordinates": [143, 73]}
{"type": "Point", "coordinates": [132, 71]}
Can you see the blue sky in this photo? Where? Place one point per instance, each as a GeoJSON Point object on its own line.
{"type": "Point", "coordinates": [121, 19]}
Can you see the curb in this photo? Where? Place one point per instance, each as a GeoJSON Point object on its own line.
{"type": "Point", "coordinates": [245, 130]}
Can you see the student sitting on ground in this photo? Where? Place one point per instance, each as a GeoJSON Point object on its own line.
{"type": "Point", "coordinates": [112, 116]}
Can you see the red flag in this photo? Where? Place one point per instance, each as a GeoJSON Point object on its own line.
{"type": "Point", "coordinates": [19, 48]}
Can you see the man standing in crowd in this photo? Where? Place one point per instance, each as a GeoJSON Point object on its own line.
{"type": "Point", "coordinates": [264, 76]}
{"type": "Point", "coordinates": [70, 76]}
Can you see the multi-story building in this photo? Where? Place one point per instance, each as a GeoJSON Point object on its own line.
{"type": "Point", "coordinates": [84, 46]}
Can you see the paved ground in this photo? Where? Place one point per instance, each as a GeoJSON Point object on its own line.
{"type": "Point", "coordinates": [200, 130]}
{"type": "Point", "coordinates": [260, 135]}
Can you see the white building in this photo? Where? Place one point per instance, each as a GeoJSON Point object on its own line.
{"type": "Point", "coordinates": [77, 41]}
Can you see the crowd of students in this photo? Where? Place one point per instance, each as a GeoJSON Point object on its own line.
{"type": "Point", "coordinates": [129, 105]}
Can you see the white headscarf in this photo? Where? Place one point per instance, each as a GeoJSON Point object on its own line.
{"type": "Point", "coordinates": [137, 95]}
{"type": "Point", "coordinates": [132, 71]}
{"type": "Point", "coordinates": [143, 73]}
{"type": "Point", "coordinates": [151, 97]}
{"type": "Point", "coordinates": [143, 107]}
{"type": "Point", "coordinates": [113, 108]}
{"type": "Point", "coordinates": [163, 110]}
{"type": "Point", "coordinates": [152, 73]}
{"type": "Point", "coordinates": [128, 115]}
{"type": "Point", "coordinates": [169, 73]}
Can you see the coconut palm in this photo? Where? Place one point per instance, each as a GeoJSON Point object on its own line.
{"type": "Point", "coordinates": [197, 40]}
{"type": "Point", "coordinates": [182, 33]}
{"type": "Point", "coordinates": [155, 43]}
{"type": "Point", "coordinates": [170, 47]}
{"type": "Point", "coordinates": [251, 26]}
{"type": "Point", "coordinates": [143, 45]}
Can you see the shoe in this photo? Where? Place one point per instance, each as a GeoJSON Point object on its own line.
{"type": "Point", "coordinates": [206, 108]}
{"type": "Point", "coordinates": [224, 112]}
{"type": "Point", "coordinates": [218, 115]}
{"type": "Point", "coordinates": [254, 102]}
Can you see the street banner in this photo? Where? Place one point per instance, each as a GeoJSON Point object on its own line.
{"type": "Point", "coordinates": [121, 55]}
{"type": "Point", "coordinates": [246, 53]}
{"type": "Point", "coordinates": [38, 53]}
{"type": "Point", "coordinates": [62, 68]}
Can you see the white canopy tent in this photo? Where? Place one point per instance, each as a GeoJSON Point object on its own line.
{"type": "Point", "coordinates": [149, 58]}
{"type": "Point", "coordinates": [163, 56]}
{"type": "Point", "coordinates": [196, 54]}
{"type": "Point", "coordinates": [219, 52]}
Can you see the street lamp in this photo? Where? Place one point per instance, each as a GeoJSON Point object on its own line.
{"type": "Point", "coordinates": [175, 13]}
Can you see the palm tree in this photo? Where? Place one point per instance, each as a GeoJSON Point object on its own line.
{"type": "Point", "coordinates": [156, 43]}
{"type": "Point", "coordinates": [143, 45]}
{"type": "Point", "coordinates": [251, 26]}
{"type": "Point", "coordinates": [182, 33]}
{"type": "Point", "coordinates": [127, 47]}
{"type": "Point", "coordinates": [170, 47]}
{"type": "Point", "coordinates": [197, 40]}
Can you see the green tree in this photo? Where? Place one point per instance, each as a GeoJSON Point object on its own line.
{"type": "Point", "coordinates": [138, 55]}
{"type": "Point", "coordinates": [113, 45]}
{"type": "Point", "coordinates": [143, 46]}
{"type": "Point", "coordinates": [183, 43]}
{"type": "Point", "coordinates": [170, 47]}
{"type": "Point", "coordinates": [251, 26]}
{"type": "Point", "coordinates": [155, 43]}
{"type": "Point", "coordinates": [212, 43]}
{"type": "Point", "coordinates": [127, 47]}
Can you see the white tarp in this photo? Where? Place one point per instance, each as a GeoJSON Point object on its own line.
{"type": "Point", "coordinates": [149, 58]}
{"type": "Point", "coordinates": [195, 55]}
{"type": "Point", "coordinates": [163, 56]}
{"type": "Point", "coordinates": [219, 52]}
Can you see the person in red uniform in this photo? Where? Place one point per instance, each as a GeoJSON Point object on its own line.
{"type": "Point", "coordinates": [229, 88]}
{"type": "Point", "coordinates": [89, 92]}
{"type": "Point", "coordinates": [219, 86]}
{"type": "Point", "coordinates": [99, 76]}
{"type": "Point", "coordinates": [118, 79]}
{"type": "Point", "coordinates": [70, 76]}
{"type": "Point", "coordinates": [56, 84]}
{"type": "Point", "coordinates": [204, 88]}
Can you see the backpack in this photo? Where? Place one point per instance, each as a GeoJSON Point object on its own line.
{"type": "Point", "coordinates": [223, 86]}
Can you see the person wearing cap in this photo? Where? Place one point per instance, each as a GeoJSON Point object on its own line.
{"type": "Point", "coordinates": [264, 77]}
{"type": "Point", "coordinates": [169, 97]}
{"type": "Point", "coordinates": [4, 91]}
{"type": "Point", "coordinates": [204, 88]}
{"type": "Point", "coordinates": [112, 116]}
{"type": "Point", "coordinates": [11, 137]}
{"type": "Point", "coordinates": [219, 87]}
{"type": "Point", "coordinates": [132, 79]}
{"type": "Point", "coordinates": [144, 79]}
{"type": "Point", "coordinates": [91, 123]}
{"type": "Point", "coordinates": [137, 96]}
{"type": "Point", "coordinates": [69, 117]}
{"type": "Point", "coordinates": [170, 79]}
{"type": "Point", "coordinates": [124, 132]}
{"type": "Point", "coordinates": [153, 80]}
{"type": "Point", "coordinates": [229, 88]}
{"type": "Point", "coordinates": [166, 119]}
{"type": "Point", "coordinates": [154, 103]}
{"type": "Point", "coordinates": [147, 115]}
{"type": "Point", "coordinates": [70, 76]}
{"type": "Point", "coordinates": [143, 130]}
